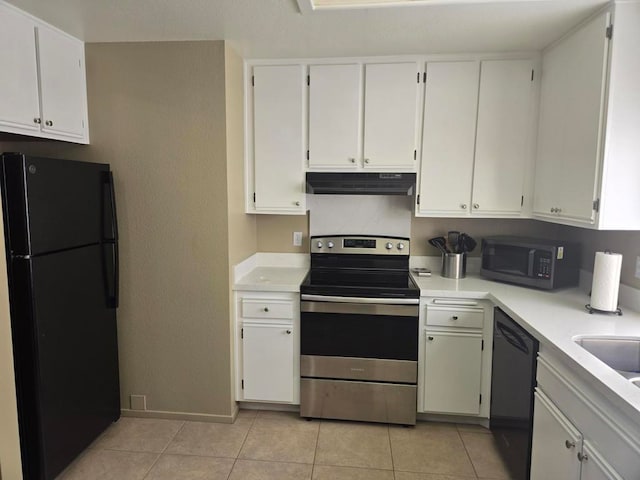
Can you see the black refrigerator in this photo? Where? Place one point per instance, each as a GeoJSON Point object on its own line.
{"type": "Point", "coordinates": [61, 242]}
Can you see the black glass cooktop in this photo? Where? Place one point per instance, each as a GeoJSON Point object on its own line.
{"type": "Point", "coordinates": [371, 283]}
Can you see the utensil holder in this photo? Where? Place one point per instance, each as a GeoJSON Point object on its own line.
{"type": "Point", "coordinates": [454, 265]}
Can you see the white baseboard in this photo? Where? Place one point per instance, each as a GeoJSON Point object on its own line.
{"type": "Point", "coordinates": [192, 417]}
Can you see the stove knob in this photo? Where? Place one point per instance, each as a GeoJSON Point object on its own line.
{"type": "Point", "coordinates": [401, 246]}
{"type": "Point", "coordinates": [330, 244]}
{"type": "Point", "coordinates": [319, 245]}
{"type": "Point", "coordinates": [389, 245]}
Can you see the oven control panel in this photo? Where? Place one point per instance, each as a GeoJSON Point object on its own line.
{"type": "Point", "coordinates": [367, 245]}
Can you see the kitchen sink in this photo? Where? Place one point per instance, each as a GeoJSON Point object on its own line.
{"type": "Point", "coordinates": [620, 353]}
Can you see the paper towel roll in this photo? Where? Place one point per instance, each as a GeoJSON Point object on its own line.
{"type": "Point", "coordinates": [606, 281]}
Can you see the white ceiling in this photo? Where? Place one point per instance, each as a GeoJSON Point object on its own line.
{"type": "Point", "coordinates": [276, 28]}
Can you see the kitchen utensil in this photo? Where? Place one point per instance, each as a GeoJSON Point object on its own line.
{"type": "Point", "coordinates": [454, 265]}
{"type": "Point", "coordinates": [469, 243]}
{"type": "Point", "coordinates": [452, 240]}
{"type": "Point", "coordinates": [440, 243]}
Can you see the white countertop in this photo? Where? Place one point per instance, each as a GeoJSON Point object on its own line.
{"type": "Point", "coordinates": [554, 318]}
{"type": "Point", "coordinates": [272, 279]}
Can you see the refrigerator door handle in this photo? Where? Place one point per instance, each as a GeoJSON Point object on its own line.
{"type": "Point", "coordinates": [113, 299]}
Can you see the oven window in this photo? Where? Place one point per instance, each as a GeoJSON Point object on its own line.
{"type": "Point", "coordinates": [354, 335]}
{"type": "Point", "coordinates": [506, 259]}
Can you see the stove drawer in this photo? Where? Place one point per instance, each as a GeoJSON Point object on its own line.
{"type": "Point", "coordinates": [455, 317]}
{"type": "Point", "coordinates": [352, 368]}
{"type": "Point", "coordinates": [266, 308]}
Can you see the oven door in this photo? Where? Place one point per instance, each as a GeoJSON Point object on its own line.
{"type": "Point", "coordinates": [359, 327]}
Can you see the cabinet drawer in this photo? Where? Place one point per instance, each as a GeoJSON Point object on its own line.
{"type": "Point", "coordinates": [468, 318]}
{"type": "Point", "coordinates": [266, 308]}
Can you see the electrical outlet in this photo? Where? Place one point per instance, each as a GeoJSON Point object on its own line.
{"type": "Point", "coordinates": [138, 402]}
{"type": "Point", "coordinates": [637, 267]}
{"type": "Point", "coordinates": [297, 239]}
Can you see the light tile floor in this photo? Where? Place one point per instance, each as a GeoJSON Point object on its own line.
{"type": "Point", "coordinates": [265, 445]}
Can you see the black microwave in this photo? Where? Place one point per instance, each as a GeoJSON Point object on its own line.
{"type": "Point", "coordinates": [531, 262]}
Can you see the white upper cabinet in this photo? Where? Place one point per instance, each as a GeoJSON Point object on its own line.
{"type": "Point", "coordinates": [504, 134]}
{"type": "Point", "coordinates": [588, 160]}
{"type": "Point", "coordinates": [390, 115]}
{"type": "Point", "coordinates": [448, 137]}
{"type": "Point", "coordinates": [62, 83]}
{"type": "Point", "coordinates": [20, 107]}
{"type": "Point", "coordinates": [569, 138]}
{"type": "Point", "coordinates": [43, 85]}
{"type": "Point", "coordinates": [334, 116]}
{"type": "Point", "coordinates": [278, 140]}
{"type": "Point", "coordinates": [477, 139]}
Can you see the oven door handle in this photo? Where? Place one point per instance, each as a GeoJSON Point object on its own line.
{"type": "Point", "coordinates": [386, 301]}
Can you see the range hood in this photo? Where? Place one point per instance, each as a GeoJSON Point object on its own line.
{"type": "Point", "coordinates": [361, 183]}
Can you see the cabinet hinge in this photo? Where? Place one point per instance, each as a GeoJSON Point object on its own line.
{"type": "Point", "coordinates": [415, 154]}
{"type": "Point", "coordinates": [522, 200]}
{"type": "Point", "coordinates": [609, 32]}
{"type": "Point", "coordinates": [308, 80]}
{"type": "Point", "coordinates": [418, 199]}
{"type": "Point", "coordinates": [242, 384]}
{"type": "Point", "coordinates": [418, 77]}
{"type": "Point", "coordinates": [242, 329]}
{"type": "Point", "coordinates": [482, 345]}
{"type": "Point", "coordinates": [424, 77]}
{"type": "Point", "coordinates": [532, 72]}
{"type": "Point", "coordinates": [596, 204]}
{"type": "Point", "coordinates": [307, 154]}
{"type": "Point", "coordinates": [253, 81]}
{"type": "Point", "coordinates": [254, 197]}
{"type": "Point", "coordinates": [480, 399]}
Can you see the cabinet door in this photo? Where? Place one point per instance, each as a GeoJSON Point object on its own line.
{"type": "Point", "coordinates": [571, 124]}
{"type": "Point", "coordinates": [20, 106]}
{"type": "Point", "coordinates": [334, 115]}
{"type": "Point", "coordinates": [505, 127]}
{"type": "Point", "coordinates": [62, 83]}
{"type": "Point", "coordinates": [278, 138]}
{"type": "Point", "coordinates": [556, 443]}
{"type": "Point", "coordinates": [390, 115]}
{"type": "Point", "coordinates": [448, 137]}
{"type": "Point", "coordinates": [594, 467]}
{"type": "Point", "coordinates": [452, 372]}
{"type": "Point", "coordinates": [267, 362]}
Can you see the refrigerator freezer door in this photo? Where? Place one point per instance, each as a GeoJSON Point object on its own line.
{"type": "Point", "coordinates": [74, 344]}
{"type": "Point", "coordinates": [55, 204]}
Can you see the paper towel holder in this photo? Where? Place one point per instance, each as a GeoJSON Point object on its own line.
{"type": "Point", "coordinates": [590, 309]}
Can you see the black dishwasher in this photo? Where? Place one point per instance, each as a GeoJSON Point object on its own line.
{"type": "Point", "coordinates": [513, 380]}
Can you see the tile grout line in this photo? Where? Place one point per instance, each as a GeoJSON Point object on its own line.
{"type": "Point", "coordinates": [164, 450]}
{"type": "Point", "coordinates": [315, 450]}
{"type": "Point", "coordinates": [467, 452]}
{"type": "Point", "coordinates": [235, 460]}
{"type": "Point", "coordinates": [393, 465]}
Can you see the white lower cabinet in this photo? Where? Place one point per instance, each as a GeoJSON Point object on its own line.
{"type": "Point", "coordinates": [454, 372]}
{"type": "Point", "coordinates": [577, 435]}
{"type": "Point", "coordinates": [267, 359]}
{"type": "Point", "coordinates": [267, 347]}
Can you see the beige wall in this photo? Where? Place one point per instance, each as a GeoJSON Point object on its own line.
{"type": "Point", "coordinates": [275, 233]}
{"type": "Point", "coordinates": [157, 115]}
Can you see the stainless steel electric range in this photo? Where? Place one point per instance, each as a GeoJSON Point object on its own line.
{"type": "Point", "coordinates": [359, 331]}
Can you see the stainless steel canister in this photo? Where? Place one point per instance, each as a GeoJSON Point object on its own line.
{"type": "Point", "coordinates": [454, 265]}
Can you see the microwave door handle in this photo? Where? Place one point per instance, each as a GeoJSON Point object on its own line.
{"type": "Point", "coordinates": [532, 256]}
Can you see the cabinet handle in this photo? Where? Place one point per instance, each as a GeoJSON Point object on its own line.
{"type": "Point", "coordinates": [37, 120]}
{"type": "Point", "coordinates": [288, 332]}
{"type": "Point", "coordinates": [582, 457]}
{"type": "Point", "coordinates": [569, 444]}
{"type": "Point", "coordinates": [455, 317]}
{"type": "Point", "coordinates": [463, 206]}
{"type": "Point", "coordinates": [297, 204]}
{"type": "Point", "coordinates": [366, 160]}
{"type": "Point", "coordinates": [429, 338]}
{"type": "Point", "coordinates": [266, 309]}
{"type": "Point", "coordinates": [476, 206]}
{"type": "Point", "coordinates": [352, 160]}
{"type": "Point", "coordinates": [49, 123]}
